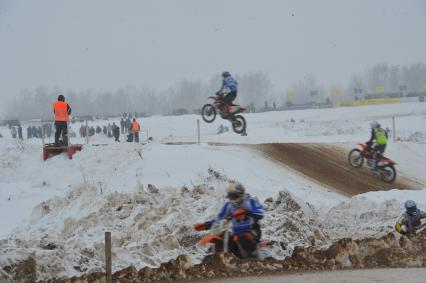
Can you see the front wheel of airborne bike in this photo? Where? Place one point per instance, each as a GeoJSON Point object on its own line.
{"type": "Point", "coordinates": [355, 158]}
{"type": "Point", "coordinates": [208, 113]}
{"type": "Point", "coordinates": [388, 173]}
{"type": "Point", "coordinates": [239, 124]}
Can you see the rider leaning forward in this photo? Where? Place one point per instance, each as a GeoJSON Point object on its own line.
{"type": "Point", "coordinates": [229, 86]}
{"type": "Point", "coordinates": [411, 219]}
{"type": "Point", "coordinates": [380, 136]}
{"type": "Point", "coordinates": [245, 212]}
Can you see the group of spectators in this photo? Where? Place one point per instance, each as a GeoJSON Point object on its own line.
{"type": "Point", "coordinates": [32, 131]}
{"type": "Point", "coordinates": [128, 126]}
{"type": "Point", "coordinates": [110, 130]}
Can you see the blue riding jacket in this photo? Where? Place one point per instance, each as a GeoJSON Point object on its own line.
{"type": "Point", "coordinates": [251, 205]}
{"type": "Point", "coordinates": [229, 83]}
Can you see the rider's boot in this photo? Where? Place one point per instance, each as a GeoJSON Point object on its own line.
{"type": "Point", "coordinates": [223, 112]}
{"type": "Point", "coordinates": [375, 161]}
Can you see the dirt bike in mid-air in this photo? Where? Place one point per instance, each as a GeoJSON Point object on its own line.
{"type": "Point", "coordinates": [218, 241]}
{"type": "Point", "coordinates": [385, 167]}
{"type": "Point", "coordinates": [209, 112]}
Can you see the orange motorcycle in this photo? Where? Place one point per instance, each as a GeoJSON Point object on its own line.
{"type": "Point", "coordinates": [383, 166]}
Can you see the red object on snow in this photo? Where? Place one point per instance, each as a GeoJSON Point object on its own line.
{"type": "Point", "coordinates": [51, 150]}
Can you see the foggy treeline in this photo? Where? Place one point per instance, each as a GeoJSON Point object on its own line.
{"type": "Point", "coordinates": [188, 96]}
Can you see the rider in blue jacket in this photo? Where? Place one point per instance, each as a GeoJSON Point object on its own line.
{"type": "Point", "coordinates": [245, 212]}
{"type": "Point", "coordinates": [229, 86]}
{"type": "Point", "coordinates": [411, 219]}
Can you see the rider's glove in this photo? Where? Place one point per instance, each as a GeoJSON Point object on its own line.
{"type": "Point", "coordinates": [217, 92]}
{"type": "Point", "coordinates": [403, 229]}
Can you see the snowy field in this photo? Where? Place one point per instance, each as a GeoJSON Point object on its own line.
{"type": "Point", "coordinates": [69, 204]}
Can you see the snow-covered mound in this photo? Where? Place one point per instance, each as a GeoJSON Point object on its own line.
{"type": "Point", "coordinates": [155, 225]}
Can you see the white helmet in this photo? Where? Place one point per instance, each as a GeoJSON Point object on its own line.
{"type": "Point", "coordinates": [374, 124]}
{"type": "Point", "coordinates": [235, 192]}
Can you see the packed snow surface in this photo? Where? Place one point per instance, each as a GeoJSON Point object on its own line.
{"type": "Point", "coordinates": [60, 208]}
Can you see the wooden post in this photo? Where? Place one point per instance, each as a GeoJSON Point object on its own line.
{"type": "Point", "coordinates": [198, 131]}
{"type": "Point", "coordinates": [393, 129]}
{"type": "Point", "coordinates": [108, 262]}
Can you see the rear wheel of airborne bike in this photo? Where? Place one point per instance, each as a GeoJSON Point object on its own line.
{"type": "Point", "coordinates": [388, 173]}
{"type": "Point", "coordinates": [239, 124]}
{"type": "Point", "coordinates": [208, 113]}
{"type": "Point", "coordinates": [355, 158]}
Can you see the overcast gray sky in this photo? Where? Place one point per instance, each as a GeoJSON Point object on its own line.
{"type": "Point", "coordinates": [102, 44]}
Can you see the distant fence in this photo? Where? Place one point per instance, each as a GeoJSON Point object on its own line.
{"type": "Point", "coordinates": [362, 102]}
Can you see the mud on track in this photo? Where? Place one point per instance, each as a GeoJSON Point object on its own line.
{"type": "Point", "coordinates": [328, 165]}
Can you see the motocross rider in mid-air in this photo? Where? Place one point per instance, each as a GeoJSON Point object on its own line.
{"type": "Point", "coordinates": [245, 212]}
{"type": "Point", "coordinates": [411, 219]}
{"type": "Point", "coordinates": [380, 136]}
{"type": "Point", "coordinates": [229, 85]}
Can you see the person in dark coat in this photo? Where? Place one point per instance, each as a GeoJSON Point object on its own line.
{"type": "Point", "coordinates": [13, 132]}
{"type": "Point", "coordinates": [20, 132]}
{"type": "Point", "coordinates": [128, 125]}
{"type": "Point", "coordinates": [122, 125]}
{"type": "Point", "coordinates": [116, 132]}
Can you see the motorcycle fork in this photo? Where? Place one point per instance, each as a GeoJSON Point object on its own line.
{"type": "Point", "coordinates": [226, 241]}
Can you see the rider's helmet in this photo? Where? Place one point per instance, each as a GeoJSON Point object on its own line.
{"type": "Point", "coordinates": [61, 98]}
{"type": "Point", "coordinates": [374, 124]}
{"type": "Point", "coordinates": [411, 207]}
{"type": "Point", "coordinates": [235, 192]}
{"type": "Point", "coordinates": [225, 74]}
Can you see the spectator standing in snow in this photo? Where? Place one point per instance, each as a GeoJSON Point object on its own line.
{"type": "Point", "coordinates": [122, 125]}
{"type": "Point", "coordinates": [128, 125]}
{"type": "Point", "coordinates": [116, 132]}
{"type": "Point", "coordinates": [135, 130]}
{"type": "Point", "coordinates": [13, 132]}
{"type": "Point", "coordinates": [20, 132]}
{"type": "Point", "coordinates": [62, 110]}
{"type": "Point", "coordinates": [109, 128]}
{"type": "Point", "coordinates": [28, 133]}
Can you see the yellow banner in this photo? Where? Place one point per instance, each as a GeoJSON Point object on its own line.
{"type": "Point", "coordinates": [335, 92]}
{"type": "Point", "coordinates": [291, 94]}
{"type": "Point", "coordinates": [380, 89]}
{"type": "Point", "coordinates": [367, 102]}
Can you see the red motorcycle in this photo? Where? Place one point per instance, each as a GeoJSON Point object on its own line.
{"type": "Point", "coordinates": [217, 241]}
{"type": "Point", "coordinates": [385, 166]}
{"type": "Point", "coordinates": [208, 113]}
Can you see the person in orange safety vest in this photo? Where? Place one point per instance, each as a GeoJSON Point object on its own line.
{"type": "Point", "coordinates": [62, 110]}
{"type": "Point", "coordinates": [135, 130]}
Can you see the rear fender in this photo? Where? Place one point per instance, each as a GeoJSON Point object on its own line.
{"type": "Point", "coordinates": [210, 238]}
{"type": "Point", "coordinates": [362, 146]}
{"type": "Point", "coordinates": [388, 161]}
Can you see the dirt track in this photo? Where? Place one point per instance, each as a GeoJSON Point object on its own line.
{"type": "Point", "coordinates": [328, 165]}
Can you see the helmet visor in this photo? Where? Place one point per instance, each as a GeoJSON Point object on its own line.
{"type": "Point", "coordinates": [233, 195]}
